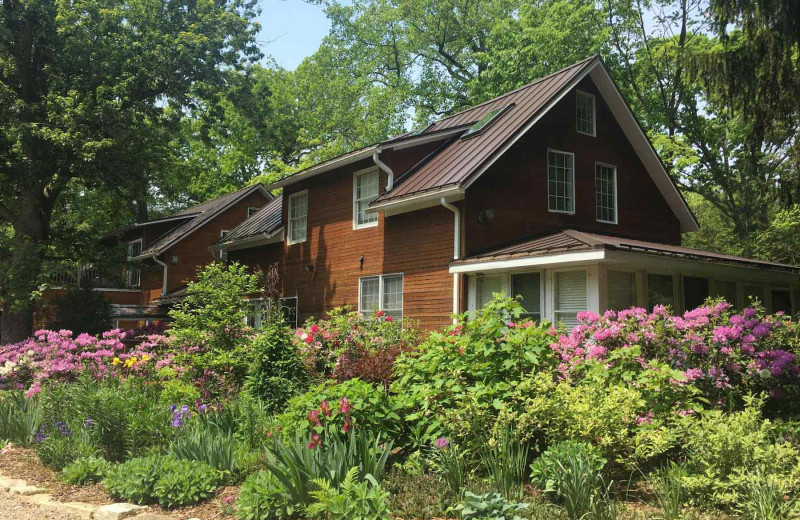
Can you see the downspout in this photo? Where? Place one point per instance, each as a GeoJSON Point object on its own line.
{"type": "Point", "coordinates": [380, 164]}
{"type": "Point", "coordinates": [164, 267]}
{"type": "Point", "coordinates": [456, 250]}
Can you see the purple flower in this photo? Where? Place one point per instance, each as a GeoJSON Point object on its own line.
{"type": "Point", "coordinates": [761, 330]}
{"type": "Point", "coordinates": [749, 312]}
{"type": "Point", "coordinates": [88, 422]}
{"type": "Point", "coordinates": [442, 443]}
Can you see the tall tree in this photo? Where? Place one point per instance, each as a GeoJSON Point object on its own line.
{"type": "Point", "coordinates": [82, 85]}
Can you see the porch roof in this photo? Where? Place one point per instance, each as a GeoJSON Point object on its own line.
{"type": "Point", "coordinates": [563, 243]}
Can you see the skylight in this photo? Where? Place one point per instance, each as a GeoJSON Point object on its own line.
{"type": "Point", "coordinates": [485, 121]}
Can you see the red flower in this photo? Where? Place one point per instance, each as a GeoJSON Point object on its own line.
{"type": "Point", "coordinates": [344, 405]}
{"type": "Point", "coordinates": [325, 408]}
{"type": "Point", "coordinates": [313, 418]}
{"type": "Point", "coordinates": [389, 318]}
{"type": "Point", "coordinates": [316, 441]}
{"type": "Point", "coordinates": [379, 314]}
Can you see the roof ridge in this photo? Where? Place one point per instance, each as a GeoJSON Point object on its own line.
{"type": "Point", "coordinates": [520, 88]}
{"type": "Point", "coordinates": [582, 236]}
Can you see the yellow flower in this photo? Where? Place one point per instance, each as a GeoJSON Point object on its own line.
{"type": "Point", "coordinates": [145, 357]}
{"type": "Point", "coordinates": [116, 361]}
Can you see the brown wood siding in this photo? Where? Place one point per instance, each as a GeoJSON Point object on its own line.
{"type": "Point", "coordinates": [260, 258]}
{"type": "Point", "coordinates": [417, 244]}
{"type": "Point", "coordinates": [515, 187]}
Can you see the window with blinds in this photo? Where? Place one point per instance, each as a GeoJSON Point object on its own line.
{"type": "Point", "coordinates": [621, 290]}
{"type": "Point", "coordinates": [570, 296]}
{"type": "Point", "coordinates": [381, 293]}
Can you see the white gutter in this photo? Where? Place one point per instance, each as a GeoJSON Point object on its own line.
{"type": "Point", "coordinates": [380, 164]}
{"type": "Point", "coordinates": [164, 267]}
{"type": "Point", "coordinates": [456, 251]}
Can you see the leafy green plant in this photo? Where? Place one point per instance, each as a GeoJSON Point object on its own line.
{"type": "Point", "coordinates": [19, 418]}
{"type": "Point", "coordinates": [451, 466]}
{"type": "Point", "coordinates": [263, 497]}
{"type": "Point", "coordinates": [570, 472]}
{"type": "Point", "coordinates": [353, 499]}
{"type": "Point", "coordinates": [764, 498]}
{"type": "Point", "coordinates": [85, 470]}
{"type": "Point", "coordinates": [667, 485]}
{"type": "Point", "coordinates": [277, 373]}
{"type": "Point", "coordinates": [57, 445]}
{"type": "Point", "coordinates": [505, 459]}
{"type": "Point", "coordinates": [161, 479]}
{"type": "Point", "coordinates": [489, 506]}
{"type": "Point", "coordinates": [416, 494]}
{"type": "Point", "coordinates": [208, 444]}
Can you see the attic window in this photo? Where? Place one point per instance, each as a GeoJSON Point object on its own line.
{"type": "Point", "coordinates": [486, 121]}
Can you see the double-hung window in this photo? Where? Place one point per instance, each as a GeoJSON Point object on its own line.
{"type": "Point", "coordinates": [381, 293]}
{"type": "Point", "coordinates": [365, 190]}
{"type": "Point", "coordinates": [584, 113]}
{"type": "Point", "coordinates": [134, 274]}
{"type": "Point", "coordinates": [605, 183]}
{"type": "Point", "coordinates": [298, 217]}
{"type": "Point", "coordinates": [560, 181]}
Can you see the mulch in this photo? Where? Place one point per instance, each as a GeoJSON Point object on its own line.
{"type": "Point", "coordinates": [22, 463]}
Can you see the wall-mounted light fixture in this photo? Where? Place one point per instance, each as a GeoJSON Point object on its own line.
{"type": "Point", "coordinates": [361, 261]}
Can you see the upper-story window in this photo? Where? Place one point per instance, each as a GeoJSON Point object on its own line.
{"type": "Point", "coordinates": [560, 181]}
{"type": "Point", "coordinates": [134, 274]}
{"type": "Point", "coordinates": [298, 217]}
{"type": "Point", "coordinates": [251, 211]}
{"type": "Point", "coordinates": [605, 182]}
{"type": "Point", "coordinates": [584, 113]}
{"type": "Point", "coordinates": [365, 190]}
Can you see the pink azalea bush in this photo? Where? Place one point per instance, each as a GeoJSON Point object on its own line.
{"type": "Point", "coordinates": [713, 348]}
{"type": "Point", "coordinates": [349, 345]}
{"type": "Point", "coordinates": [59, 356]}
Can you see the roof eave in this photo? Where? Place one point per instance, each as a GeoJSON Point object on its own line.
{"type": "Point", "coordinates": [417, 201]}
{"type": "Point", "coordinates": [261, 239]}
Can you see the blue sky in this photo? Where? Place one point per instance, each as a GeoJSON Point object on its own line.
{"type": "Point", "coordinates": [291, 30]}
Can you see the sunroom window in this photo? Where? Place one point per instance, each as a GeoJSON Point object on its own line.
{"type": "Point", "coordinates": [528, 286]}
{"type": "Point", "coordinates": [570, 296]}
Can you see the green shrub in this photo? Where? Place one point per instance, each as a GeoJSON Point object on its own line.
{"type": "Point", "coordinates": [764, 498]}
{"type": "Point", "coordinates": [177, 391]}
{"type": "Point", "coordinates": [165, 480]}
{"type": "Point", "coordinates": [570, 472]}
{"type": "Point", "coordinates": [489, 506]}
{"type": "Point", "coordinates": [372, 408]}
{"type": "Point", "coordinates": [262, 497]}
{"type": "Point", "coordinates": [595, 411]}
{"type": "Point", "coordinates": [352, 499]}
{"type": "Point", "coordinates": [85, 470]}
{"type": "Point", "coordinates": [19, 418]}
{"type": "Point", "coordinates": [416, 495]}
{"type": "Point", "coordinates": [82, 310]}
{"type": "Point", "coordinates": [475, 363]}
{"type": "Point", "coordinates": [277, 373]}
{"type": "Point", "coordinates": [722, 447]}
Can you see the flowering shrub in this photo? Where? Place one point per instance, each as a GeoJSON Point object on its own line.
{"type": "Point", "coordinates": [722, 353]}
{"type": "Point", "coordinates": [57, 356]}
{"type": "Point", "coordinates": [349, 344]}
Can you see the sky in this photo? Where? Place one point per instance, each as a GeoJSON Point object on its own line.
{"type": "Point", "coordinates": [291, 30]}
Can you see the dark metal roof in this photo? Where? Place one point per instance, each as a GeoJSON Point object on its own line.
{"type": "Point", "coordinates": [458, 161]}
{"type": "Point", "coordinates": [138, 312]}
{"type": "Point", "coordinates": [267, 220]}
{"type": "Point", "coordinates": [202, 214]}
{"type": "Point", "coordinates": [569, 241]}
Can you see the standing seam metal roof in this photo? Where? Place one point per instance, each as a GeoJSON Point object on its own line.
{"type": "Point", "coordinates": [264, 221]}
{"type": "Point", "coordinates": [458, 161]}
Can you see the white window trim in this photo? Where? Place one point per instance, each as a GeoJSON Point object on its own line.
{"type": "Point", "coordinates": [223, 232]}
{"type": "Point", "coordinates": [578, 94]}
{"type": "Point", "coordinates": [282, 300]}
{"type": "Point", "coordinates": [289, 217]}
{"type": "Point", "coordinates": [542, 292]}
{"type": "Point", "coordinates": [616, 205]}
{"type": "Point", "coordinates": [356, 175]}
{"type": "Point", "coordinates": [139, 240]}
{"type": "Point", "coordinates": [574, 202]}
{"type": "Point", "coordinates": [259, 305]}
{"type": "Point", "coordinates": [252, 210]}
{"type": "Point", "coordinates": [380, 278]}
{"type": "Point", "coordinates": [555, 311]}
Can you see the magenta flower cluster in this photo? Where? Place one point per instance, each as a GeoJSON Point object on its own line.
{"type": "Point", "coordinates": [713, 347]}
{"type": "Point", "coordinates": [58, 356]}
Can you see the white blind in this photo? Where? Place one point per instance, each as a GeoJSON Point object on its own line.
{"type": "Point", "coordinates": [570, 297]}
{"type": "Point", "coordinates": [621, 290]}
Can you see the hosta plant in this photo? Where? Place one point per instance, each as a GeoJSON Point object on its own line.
{"type": "Point", "coordinates": [489, 506]}
{"type": "Point", "coordinates": [85, 470]}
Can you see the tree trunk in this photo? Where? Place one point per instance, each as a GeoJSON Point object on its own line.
{"type": "Point", "coordinates": [31, 228]}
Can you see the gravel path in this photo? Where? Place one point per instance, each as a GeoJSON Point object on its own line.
{"type": "Point", "coordinates": [14, 508]}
